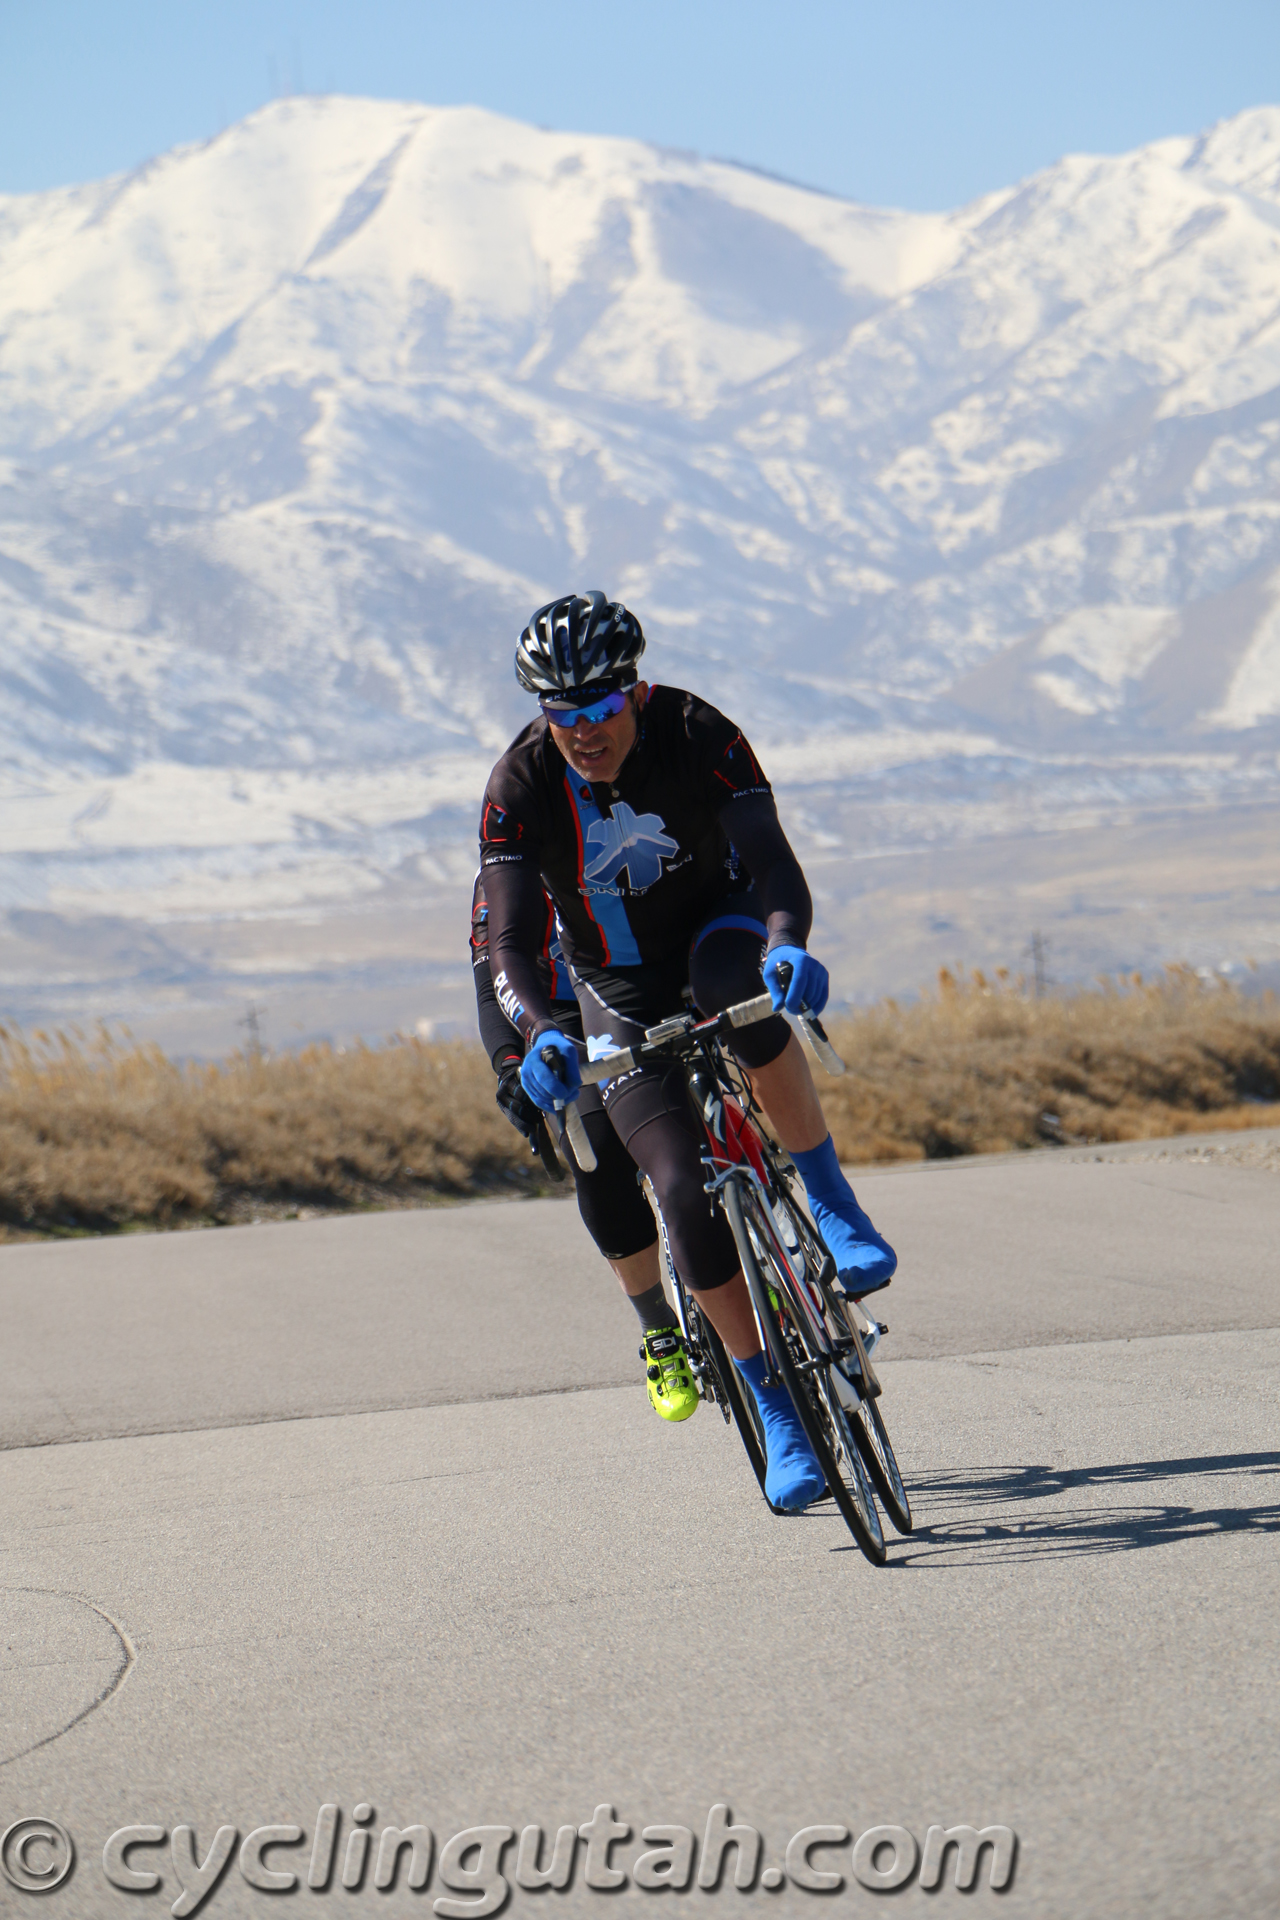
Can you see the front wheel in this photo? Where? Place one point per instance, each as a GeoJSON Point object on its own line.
{"type": "Point", "coordinates": [859, 1409]}
{"type": "Point", "coordinates": [863, 1418]}
{"type": "Point", "coordinates": [802, 1365]}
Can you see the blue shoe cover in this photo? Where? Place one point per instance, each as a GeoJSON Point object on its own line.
{"type": "Point", "coordinates": [864, 1259]}
{"type": "Point", "coordinates": [793, 1477]}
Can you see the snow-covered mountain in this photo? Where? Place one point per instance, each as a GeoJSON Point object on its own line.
{"type": "Point", "coordinates": [972, 518]}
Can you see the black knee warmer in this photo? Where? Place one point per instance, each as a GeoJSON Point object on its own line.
{"type": "Point", "coordinates": [724, 970]}
{"type": "Point", "coordinates": [668, 1149]}
{"type": "Point", "coordinates": [614, 1210]}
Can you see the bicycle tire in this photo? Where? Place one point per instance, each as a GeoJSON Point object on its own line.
{"type": "Point", "coordinates": [815, 1401]}
{"type": "Point", "coordinates": [878, 1456]}
{"type": "Point", "coordinates": [864, 1418]}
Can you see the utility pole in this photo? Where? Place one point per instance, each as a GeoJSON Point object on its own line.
{"type": "Point", "coordinates": [250, 1021]}
{"type": "Point", "coordinates": [1039, 950]}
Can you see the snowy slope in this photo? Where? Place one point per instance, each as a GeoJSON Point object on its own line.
{"type": "Point", "coordinates": [298, 425]}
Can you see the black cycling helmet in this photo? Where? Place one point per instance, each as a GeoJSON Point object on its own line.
{"type": "Point", "coordinates": [578, 642]}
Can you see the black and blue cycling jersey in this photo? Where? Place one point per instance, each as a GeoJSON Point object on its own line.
{"type": "Point", "coordinates": [633, 867]}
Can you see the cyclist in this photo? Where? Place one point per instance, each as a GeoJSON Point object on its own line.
{"type": "Point", "coordinates": [615, 779]}
{"type": "Point", "coordinates": [613, 1208]}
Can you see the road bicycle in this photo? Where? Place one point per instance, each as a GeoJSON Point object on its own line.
{"type": "Point", "coordinates": [819, 1342]}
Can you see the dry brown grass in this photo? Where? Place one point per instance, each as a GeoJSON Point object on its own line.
{"type": "Point", "coordinates": [102, 1135]}
{"type": "Point", "coordinates": [982, 1068]}
{"type": "Point", "coordinates": [99, 1135]}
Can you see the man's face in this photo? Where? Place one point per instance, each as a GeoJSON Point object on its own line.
{"type": "Point", "coordinates": [596, 750]}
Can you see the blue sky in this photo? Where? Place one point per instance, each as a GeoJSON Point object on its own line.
{"type": "Point", "coordinates": [918, 103]}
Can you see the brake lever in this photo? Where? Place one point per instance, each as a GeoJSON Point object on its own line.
{"type": "Point", "coordinates": [545, 1150]}
{"type": "Point", "coordinates": [576, 1133]}
{"type": "Point", "coordinates": [812, 1027]}
{"type": "Point", "coordinates": [822, 1047]}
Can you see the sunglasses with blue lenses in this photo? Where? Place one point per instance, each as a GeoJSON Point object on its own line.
{"type": "Point", "coordinates": [605, 708]}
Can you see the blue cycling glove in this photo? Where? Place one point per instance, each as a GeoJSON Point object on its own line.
{"type": "Point", "coordinates": [544, 1085]}
{"type": "Point", "coordinates": [809, 985]}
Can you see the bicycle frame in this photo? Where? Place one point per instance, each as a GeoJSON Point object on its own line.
{"type": "Point", "coordinates": [810, 1331]}
{"type": "Point", "coordinates": [735, 1151]}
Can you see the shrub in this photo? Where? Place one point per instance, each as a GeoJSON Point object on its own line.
{"type": "Point", "coordinates": [102, 1134]}
{"type": "Point", "coordinates": [982, 1068]}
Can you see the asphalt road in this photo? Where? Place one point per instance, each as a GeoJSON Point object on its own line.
{"type": "Point", "coordinates": [373, 1512]}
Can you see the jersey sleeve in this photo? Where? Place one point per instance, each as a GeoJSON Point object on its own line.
{"type": "Point", "coordinates": [506, 836]}
{"type": "Point", "coordinates": [500, 1039]}
{"type": "Point", "coordinates": [510, 867]}
{"type": "Point", "coordinates": [734, 783]}
{"type": "Point", "coordinates": [512, 823]}
{"type": "Point", "coordinates": [751, 820]}
{"type": "Point", "coordinates": [728, 767]}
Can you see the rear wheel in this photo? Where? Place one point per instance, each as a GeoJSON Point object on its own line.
{"type": "Point", "coordinates": [804, 1367]}
{"type": "Point", "coordinates": [737, 1398]}
{"type": "Point", "coordinates": [721, 1381]}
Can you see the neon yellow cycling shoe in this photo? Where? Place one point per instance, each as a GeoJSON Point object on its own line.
{"type": "Point", "coordinates": [671, 1389]}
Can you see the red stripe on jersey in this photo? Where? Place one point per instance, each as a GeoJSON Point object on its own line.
{"type": "Point", "coordinates": [736, 786]}
{"type": "Point", "coordinates": [496, 826]}
{"type": "Point", "coordinates": [582, 861]}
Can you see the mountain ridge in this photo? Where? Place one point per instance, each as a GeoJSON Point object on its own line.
{"type": "Point", "coordinates": [298, 424]}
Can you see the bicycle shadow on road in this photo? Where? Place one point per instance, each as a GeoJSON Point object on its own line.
{"type": "Point", "coordinates": [985, 1509]}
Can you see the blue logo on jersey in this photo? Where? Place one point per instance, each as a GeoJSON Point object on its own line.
{"type": "Point", "coordinates": [634, 841]}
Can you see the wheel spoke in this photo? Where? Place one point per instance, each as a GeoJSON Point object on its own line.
{"type": "Point", "coordinates": [799, 1340]}
{"type": "Point", "coordinates": [863, 1420]}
